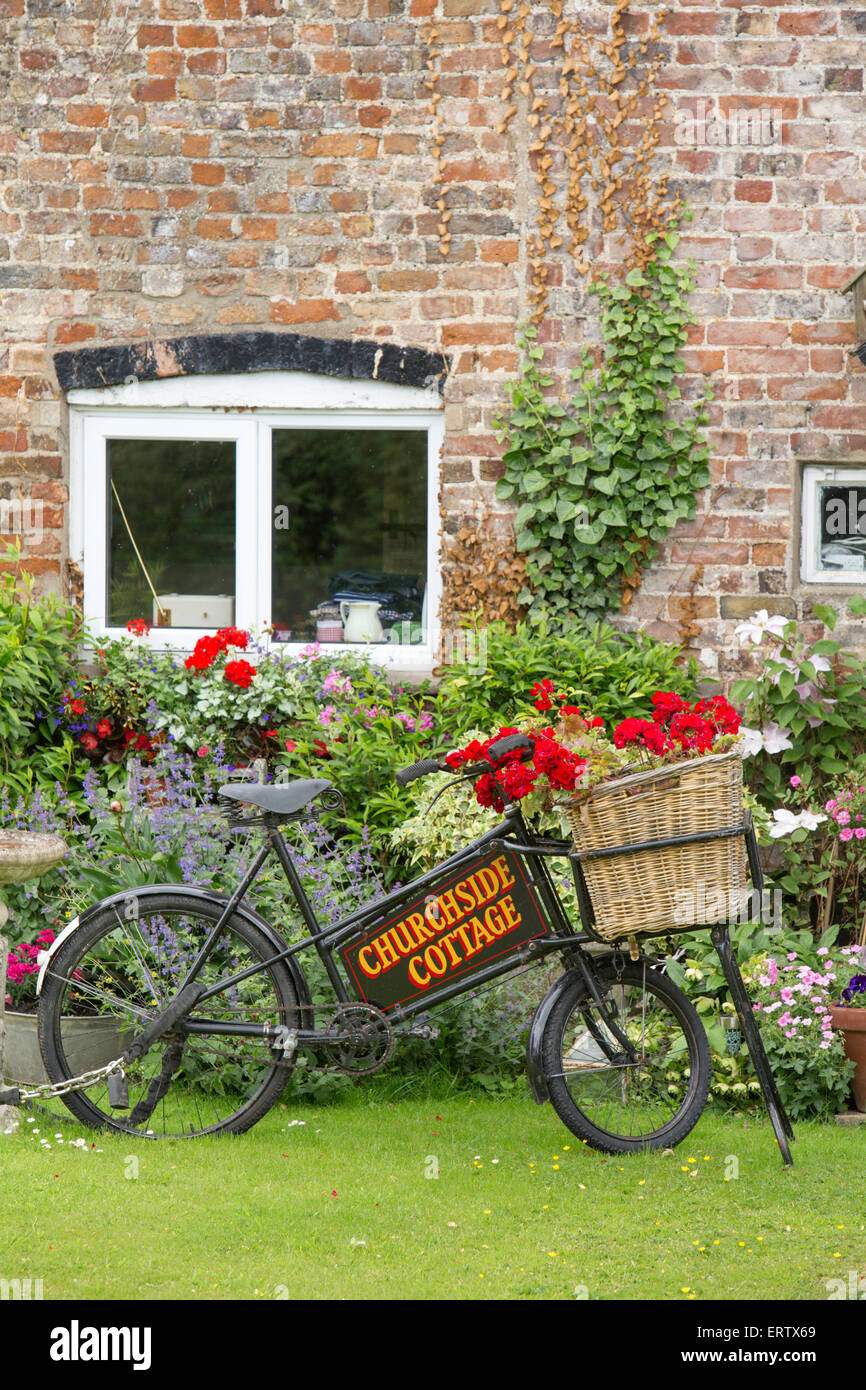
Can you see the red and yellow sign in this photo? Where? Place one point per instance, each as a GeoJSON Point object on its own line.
{"type": "Point", "coordinates": [463, 923]}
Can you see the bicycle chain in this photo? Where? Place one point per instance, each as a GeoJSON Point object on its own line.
{"type": "Point", "coordinates": [49, 1090]}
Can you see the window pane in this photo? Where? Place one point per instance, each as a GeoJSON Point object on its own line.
{"type": "Point", "coordinates": [350, 528]}
{"type": "Point", "coordinates": [842, 535]}
{"type": "Point", "coordinates": [178, 500]}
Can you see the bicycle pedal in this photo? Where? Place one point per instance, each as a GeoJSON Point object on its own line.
{"type": "Point", "coordinates": [118, 1091]}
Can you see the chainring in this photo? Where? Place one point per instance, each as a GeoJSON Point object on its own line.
{"type": "Point", "coordinates": [359, 1039]}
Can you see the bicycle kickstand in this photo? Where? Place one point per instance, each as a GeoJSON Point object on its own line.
{"type": "Point", "coordinates": [778, 1115]}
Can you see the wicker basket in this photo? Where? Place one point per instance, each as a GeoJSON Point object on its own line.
{"type": "Point", "coordinates": [674, 888]}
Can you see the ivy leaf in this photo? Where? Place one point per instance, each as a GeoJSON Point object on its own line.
{"type": "Point", "coordinates": [533, 481]}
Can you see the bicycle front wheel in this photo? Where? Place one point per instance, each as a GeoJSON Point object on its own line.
{"type": "Point", "coordinates": [118, 971]}
{"type": "Point", "coordinates": [623, 1100]}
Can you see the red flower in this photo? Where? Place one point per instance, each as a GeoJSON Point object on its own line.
{"type": "Point", "coordinates": [543, 692]}
{"type": "Point", "coordinates": [320, 749]}
{"type": "Point", "coordinates": [138, 627]}
{"type": "Point", "coordinates": [239, 673]}
{"type": "Point", "coordinates": [103, 728]}
{"type": "Point", "coordinates": [641, 732]}
{"type": "Point", "coordinates": [690, 731]}
{"type": "Point", "coordinates": [204, 653]}
{"type": "Point", "coordinates": [89, 742]}
{"type": "Point", "coordinates": [290, 746]}
{"type": "Point", "coordinates": [73, 706]}
{"type": "Point", "coordinates": [232, 637]}
{"type": "Point", "coordinates": [270, 733]}
{"type": "Point", "coordinates": [665, 705]}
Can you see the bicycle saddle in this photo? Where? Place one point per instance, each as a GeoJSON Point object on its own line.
{"type": "Point", "coordinates": [283, 800]}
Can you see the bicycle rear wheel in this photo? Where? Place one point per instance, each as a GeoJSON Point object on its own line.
{"type": "Point", "coordinates": [118, 971]}
{"type": "Point", "coordinates": [616, 1102]}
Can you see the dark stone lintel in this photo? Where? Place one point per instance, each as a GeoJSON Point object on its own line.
{"type": "Point", "coordinates": [240, 353]}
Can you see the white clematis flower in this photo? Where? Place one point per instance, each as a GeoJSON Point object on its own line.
{"type": "Point", "coordinates": [787, 821]}
{"type": "Point", "coordinates": [752, 631]}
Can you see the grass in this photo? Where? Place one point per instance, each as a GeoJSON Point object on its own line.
{"type": "Point", "coordinates": [340, 1201]}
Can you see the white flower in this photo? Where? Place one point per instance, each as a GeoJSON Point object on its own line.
{"type": "Point", "coordinates": [752, 741]}
{"type": "Point", "coordinates": [752, 631]}
{"type": "Point", "coordinates": [775, 738]}
{"type": "Point", "coordinates": [771, 739]}
{"type": "Point", "coordinates": [787, 821]}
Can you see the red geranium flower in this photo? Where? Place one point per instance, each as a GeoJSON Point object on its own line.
{"type": "Point", "coordinates": [239, 673]}
{"type": "Point", "coordinates": [232, 637]}
{"type": "Point", "coordinates": [204, 653]}
{"type": "Point", "coordinates": [138, 627]}
{"type": "Point", "coordinates": [103, 728]}
{"type": "Point", "coordinates": [89, 742]}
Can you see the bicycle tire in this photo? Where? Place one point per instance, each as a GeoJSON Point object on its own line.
{"type": "Point", "coordinates": [627, 1108]}
{"type": "Point", "coordinates": [114, 969]}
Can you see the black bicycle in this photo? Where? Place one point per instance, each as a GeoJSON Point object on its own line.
{"type": "Point", "coordinates": [205, 1009]}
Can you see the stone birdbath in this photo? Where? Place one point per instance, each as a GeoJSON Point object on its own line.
{"type": "Point", "coordinates": [23, 855]}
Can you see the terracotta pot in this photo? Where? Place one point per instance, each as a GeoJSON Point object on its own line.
{"type": "Point", "coordinates": [851, 1023]}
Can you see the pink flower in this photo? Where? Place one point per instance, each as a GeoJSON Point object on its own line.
{"type": "Point", "coordinates": [846, 834]}
{"type": "Point", "coordinates": [795, 781]}
{"type": "Point", "coordinates": [203, 751]}
{"type": "Point", "coordinates": [860, 833]}
{"type": "Point", "coordinates": [290, 746]}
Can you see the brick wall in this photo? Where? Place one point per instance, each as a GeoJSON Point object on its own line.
{"type": "Point", "coordinates": [176, 167]}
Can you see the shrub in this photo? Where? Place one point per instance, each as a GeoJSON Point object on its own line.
{"type": "Point", "coordinates": [608, 673]}
{"type": "Point", "coordinates": [38, 639]}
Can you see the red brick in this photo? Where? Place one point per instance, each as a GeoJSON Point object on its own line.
{"type": "Point", "coordinates": [197, 36]}
{"type": "Point", "coordinates": [90, 115]}
{"type": "Point", "coordinates": [351, 282]}
{"type": "Point", "coordinates": [304, 311]}
{"type": "Point", "coordinates": [157, 89]}
{"type": "Point", "coordinates": [828, 277]}
{"type": "Point", "coordinates": [777, 277]}
{"type": "Point", "coordinates": [765, 553]}
{"type": "Point", "coordinates": [259, 228]}
{"type": "Point", "coordinates": [214, 228]}
{"type": "Point", "coordinates": [209, 174]}
{"type": "Point", "coordinates": [753, 190]}
{"type": "Point", "coordinates": [363, 88]}
{"type": "Point", "coordinates": [741, 332]}
{"type": "Point", "coordinates": [371, 116]}
{"type": "Point", "coordinates": [155, 36]}
{"type": "Point", "coordinates": [501, 252]}
{"type": "Point", "coordinates": [407, 279]}
{"type": "Point", "coordinates": [74, 332]}
{"type": "Point", "coordinates": [162, 62]}
{"type": "Point", "coordinates": [114, 224]}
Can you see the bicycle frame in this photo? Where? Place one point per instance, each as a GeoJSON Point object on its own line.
{"type": "Point", "coordinates": [557, 933]}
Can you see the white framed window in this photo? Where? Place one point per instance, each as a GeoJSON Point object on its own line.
{"type": "Point", "coordinates": [306, 504]}
{"type": "Point", "coordinates": [833, 529]}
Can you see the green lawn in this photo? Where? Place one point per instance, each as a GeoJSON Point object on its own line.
{"type": "Point", "coordinates": [335, 1202]}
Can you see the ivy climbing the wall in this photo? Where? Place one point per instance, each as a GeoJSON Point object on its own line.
{"type": "Point", "coordinates": [600, 481]}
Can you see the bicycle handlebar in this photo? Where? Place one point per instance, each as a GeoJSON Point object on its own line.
{"type": "Point", "coordinates": [420, 769]}
{"type": "Point", "coordinates": [510, 744]}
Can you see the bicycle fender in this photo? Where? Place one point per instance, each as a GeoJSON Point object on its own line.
{"type": "Point", "coordinates": [534, 1071]}
{"type": "Point", "coordinates": [119, 900]}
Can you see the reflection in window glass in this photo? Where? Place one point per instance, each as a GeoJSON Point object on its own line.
{"type": "Point", "coordinates": [177, 499]}
{"type": "Point", "coordinates": [349, 534]}
{"type": "Point", "coordinates": [842, 533]}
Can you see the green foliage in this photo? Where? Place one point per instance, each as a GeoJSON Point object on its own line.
{"type": "Point", "coordinates": [37, 657]}
{"type": "Point", "coordinates": [600, 481]}
{"type": "Point", "coordinates": [608, 673]}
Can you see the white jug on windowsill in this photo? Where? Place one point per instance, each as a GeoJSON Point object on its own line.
{"type": "Point", "coordinates": [360, 621]}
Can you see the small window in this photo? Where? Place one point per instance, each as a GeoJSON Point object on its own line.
{"type": "Point", "coordinates": [317, 522]}
{"type": "Point", "coordinates": [834, 525]}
